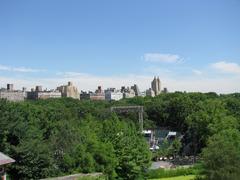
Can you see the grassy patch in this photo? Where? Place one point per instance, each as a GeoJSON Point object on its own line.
{"type": "Point", "coordinates": [167, 173]}
{"type": "Point", "coordinates": [92, 178]}
{"type": "Point", "coordinates": [189, 177]}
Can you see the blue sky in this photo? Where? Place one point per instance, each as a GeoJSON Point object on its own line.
{"type": "Point", "coordinates": [193, 45]}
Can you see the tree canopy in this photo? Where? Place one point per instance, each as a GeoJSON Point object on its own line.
{"type": "Point", "coordinates": [61, 136]}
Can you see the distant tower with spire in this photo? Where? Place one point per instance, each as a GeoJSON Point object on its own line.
{"type": "Point", "coordinates": [156, 86]}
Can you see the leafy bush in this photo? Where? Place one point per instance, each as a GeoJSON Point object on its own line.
{"type": "Point", "coordinates": [164, 173]}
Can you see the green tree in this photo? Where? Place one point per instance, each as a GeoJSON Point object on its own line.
{"type": "Point", "coordinates": [175, 147]}
{"type": "Point", "coordinates": [210, 118]}
{"type": "Point", "coordinates": [222, 156]}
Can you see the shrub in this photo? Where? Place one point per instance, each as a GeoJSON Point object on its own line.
{"type": "Point", "coordinates": [164, 173]}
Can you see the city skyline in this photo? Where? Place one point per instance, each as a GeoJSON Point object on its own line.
{"type": "Point", "coordinates": [121, 43]}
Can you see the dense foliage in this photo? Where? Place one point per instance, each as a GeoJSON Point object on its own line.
{"type": "Point", "coordinates": [222, 156]}
{"type": "Point", "coordinates": [62, 136]}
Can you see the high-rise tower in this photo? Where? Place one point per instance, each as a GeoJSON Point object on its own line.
{"type": "Point", "coordinates": [156, 86]}
{"type": "Point", "coordinates": [136, 90]}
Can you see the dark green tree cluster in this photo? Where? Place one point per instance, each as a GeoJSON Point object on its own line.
{"type": "Point", "coordinates": [62, 136]}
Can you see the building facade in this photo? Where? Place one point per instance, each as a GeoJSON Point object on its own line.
{"type": "Point", "coordinates": [156, 86]}
{"type": "Point", "coordinates": [127, 92]}
{"type": "Point", "coordinates": [69, 91]}
{"type": "Point", "coordinates": [40, 94]}
{"type": "Point", "coordinates": [165, 90]}
{"type": "Point", "coordinates": [95, 96]}
{"type": "Point", "coordinates": [136, 90]}
{"type": "Point", "coordinates": [12, 95]}
{"type": "Point", "coordinates": [150, 92]}
{"type": "Point", "coordinates": [98, 95]}
{"type": "Point", "coordinates": [84, 95]}
{"type": "Point", "coordinates": [113, 95]}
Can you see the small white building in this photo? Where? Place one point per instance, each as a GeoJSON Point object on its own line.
{"type": "Point", "coordinates": [113, 95]}
{"type": "Point", "coordinates": [129, 93]}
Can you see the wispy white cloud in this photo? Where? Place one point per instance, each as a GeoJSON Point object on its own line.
{"type": "Point", "coordinates": [158, 57]}
{"type": "Point", "coordinates": [197, 72]}
{"type": "Point", "coordinates": [226, 67]}
{"type": "Point", "coordinates": [4, 68]}
{"type": "Point", "coordinates": [19, 69]}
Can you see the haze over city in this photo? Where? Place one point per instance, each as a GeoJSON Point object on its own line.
{"type": "Point", "coordinates": [190, 45]}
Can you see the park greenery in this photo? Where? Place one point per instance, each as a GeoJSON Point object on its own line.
{"type": "Point", "coordinates": [188, 177]}
{"type": "Point", "coordinates": [56, 137]}
{"type": "Point", "coordinates": [167, 173]}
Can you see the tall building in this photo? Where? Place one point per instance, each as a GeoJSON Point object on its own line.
{"type": "Point", "coordinates": [39, 88]}
{"type": "Point", "coordinates": [136, 90]}
{"type": "Point", "coordinates": [69, 91]}
{"type": "Point", "coordinates": [12, 95]}
{"type": "Point", "coordinates": [10, 87]}
{"type": "Point", "coordinates": [156, 86]}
